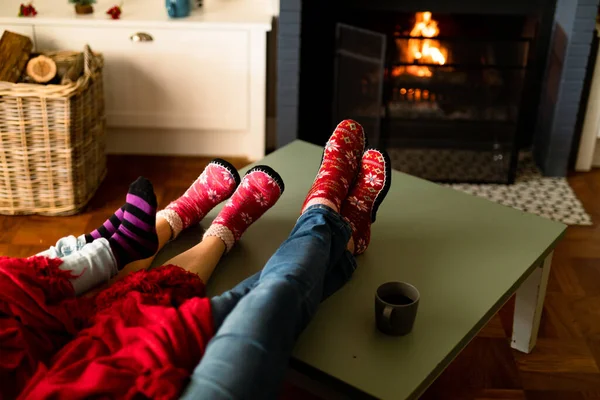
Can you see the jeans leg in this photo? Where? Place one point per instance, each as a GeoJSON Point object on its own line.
{"type": "Point", "coordinates": [337, 276]}
{"type": "Point", "coordinates": [223, 304]}
{"type": "Point", "coordinates": [248, 356]}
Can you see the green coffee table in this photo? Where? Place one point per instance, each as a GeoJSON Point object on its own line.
{"type": "Point", "coordinates": [466, 255]}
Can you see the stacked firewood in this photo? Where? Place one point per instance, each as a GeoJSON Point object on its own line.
{"type": "Point", "coordinates": [20, 64]}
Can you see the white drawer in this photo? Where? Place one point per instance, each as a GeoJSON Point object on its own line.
{"type": "Point", "coordinates": [186, 79]}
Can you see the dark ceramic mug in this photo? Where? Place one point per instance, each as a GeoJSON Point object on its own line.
{"type": "Point", "coordinates": [396, 306]}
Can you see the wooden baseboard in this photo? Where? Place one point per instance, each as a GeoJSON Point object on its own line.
{"type": "Point", "coordinates": [178, 142]}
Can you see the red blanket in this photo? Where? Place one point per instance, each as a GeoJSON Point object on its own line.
{"type": "Point", "coordinates": [142, 336]}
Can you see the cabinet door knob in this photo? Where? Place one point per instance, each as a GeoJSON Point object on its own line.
{"type": "Point", "coordinates": [141, 37]}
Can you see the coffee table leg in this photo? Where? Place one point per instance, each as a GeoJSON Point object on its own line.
{"type": "Point", "coordinates": [528, 307]}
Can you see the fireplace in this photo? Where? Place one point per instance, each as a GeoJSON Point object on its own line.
{"type": "Point", "coordinates": [448, 94]}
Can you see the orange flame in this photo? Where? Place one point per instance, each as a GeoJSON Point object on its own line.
{"type": "Point", "coordinates": [426, 51]}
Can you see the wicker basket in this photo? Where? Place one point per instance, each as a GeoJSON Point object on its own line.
{"type": "Point", "coordinates": [52, 144]}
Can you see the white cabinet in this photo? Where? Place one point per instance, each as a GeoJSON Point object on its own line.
{"type": "Point", "coordinates": [196, 86]}
{"type": "Point", "coordinates": [183, 79]}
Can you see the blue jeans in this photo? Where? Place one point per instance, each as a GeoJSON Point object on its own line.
{"type": "Point", "coordinates": [259, 320]}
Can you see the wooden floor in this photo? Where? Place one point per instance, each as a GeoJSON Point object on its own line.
{"type": "Point", "coordinates": [564, 365]}
{"type": "Point", "coordinates": [23, 236]}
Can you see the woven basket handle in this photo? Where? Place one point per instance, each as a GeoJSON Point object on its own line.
{"type": "Point", "coordinates": [88, 61]}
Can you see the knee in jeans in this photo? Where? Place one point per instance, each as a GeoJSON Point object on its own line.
{"type": "Point", "coordinates": [289, 291]}
{"type": "Point", "coordinates": [281, 287]}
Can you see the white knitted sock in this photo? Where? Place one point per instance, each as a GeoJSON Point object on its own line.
{"type": "Point", "coordinates": [173, 219]}
{"type": "Point", "coordinates": [223, 233]}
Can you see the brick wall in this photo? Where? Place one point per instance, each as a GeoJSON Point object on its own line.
{"type": "Point", "coordinates": [288, 68]}
{"type": "Point", "coordinates": [569, 51]}
{"type": "Point", "coordinates": [561, 92]}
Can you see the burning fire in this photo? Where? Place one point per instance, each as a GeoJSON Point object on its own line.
{"type": "Point", "coordinates": [423, 51]}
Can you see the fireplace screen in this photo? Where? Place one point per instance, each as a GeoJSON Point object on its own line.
{"type": "Point", "coordinates": [358, 91]}
{"type": "Point", "coordinates": [446, 107]}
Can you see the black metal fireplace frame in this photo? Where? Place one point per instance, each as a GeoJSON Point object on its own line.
{"type": "Point", "coordinates": [423, 124]}
{"type": "Point", "coordinates": [335, 101]}
{"type": "Point", "coordinates": [289, 125]}
{"type": "Point", "coordinates": [494, 109]}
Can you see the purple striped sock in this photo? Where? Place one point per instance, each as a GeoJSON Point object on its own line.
{"type": "Point", "coordinates": [108, 228]}
{"type": "Point", "coordinates": [135, 238]}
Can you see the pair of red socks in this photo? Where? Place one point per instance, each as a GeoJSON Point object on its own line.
{"type": "Point", "coordinates": [351, 179]}
{"type": "Point", "coordinates": [249, 198]}
{"type": "Point", "coordinates": [354, 180]}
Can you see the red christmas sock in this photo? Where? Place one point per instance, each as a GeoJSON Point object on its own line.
{"type": "Point", "coordinates": [371, 187]}
{"type": "Point", "coordinates": [260, 189]}
{"type": "Point", "coordinates": [341, 159]}
{"type": "Point", "coordinates": [216, 183]}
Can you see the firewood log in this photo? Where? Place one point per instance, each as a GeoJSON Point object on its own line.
{"type": "Point", "coordinates": [41, 69]}
{"type": "Point", "coordinates": [14, 53]}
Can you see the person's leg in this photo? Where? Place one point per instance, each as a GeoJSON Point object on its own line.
{"type": "Point", "coordinates": [108, 228]}
{"type": "Point", "coordinates": [265, 323]}
{"type": "Point", "coordinates": [64, 246]}
{"type": "Point", "coordinates": [90, 264]}
{"type": "Point", "coordinates": [367, 194]}
{"type": "Point", "coordinates": [259, 190]}
{"type": "Point", "coordinates": [360, 210]}
{"type": "Point", "coordinates": [341, 159]}
{"type": "Point", "coordinates": [202, 259]}
{"type": "Point", "coordinates": [222, 304]}
{"type": "Point", "coordinates": [133, 237]}
{"type": "Point", "coordinates": [216, 183]}
{"type": "Point", "coordinates": [163, 232]}
{"type": "Point", "coordinates": [262, 327]}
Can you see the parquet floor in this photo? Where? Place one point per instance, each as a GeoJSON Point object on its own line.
{"type": "Point", "coordinates": [564, 365]}
{"type": "Point", "coordinates": [566, 361]}
{"type": "Point", "coordinates": [22, 236]}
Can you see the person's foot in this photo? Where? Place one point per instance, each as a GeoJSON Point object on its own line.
{"type": "Point", "coordinates": [216, 183]}
{"type": "Point", "coordinates": [135, 238]}
{"type": "Point", "coordinates": [260, 189]}
{"type": "Point", "coordinates": [341, 160]}
{"type": "Point", "coordinates": [108, 228]}
{"type": "Point", "coordinates": [365, 197]}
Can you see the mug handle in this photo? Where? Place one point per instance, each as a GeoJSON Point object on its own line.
{"type": "Point", "coordinates": [387, 316]}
